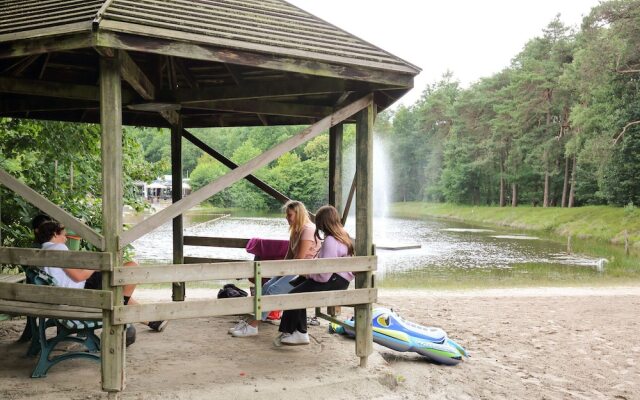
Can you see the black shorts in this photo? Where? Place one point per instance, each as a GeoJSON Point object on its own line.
{"type": "Point", "coordinates": [94, 281]}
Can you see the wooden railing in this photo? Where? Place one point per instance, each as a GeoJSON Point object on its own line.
{"type": "Point", "coordinates": [238, 270]}
{"type": "Point", "coordinates": [49, 301]}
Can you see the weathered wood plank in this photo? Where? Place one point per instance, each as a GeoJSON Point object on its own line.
{"type": "Point", "coordinates": [134, 26]}
{"type": "Point", "coordinates": [364, 225]}
{"type": "Point", "coordinates": [207, 260]}
{"type": "Point", "coordinates": [227, 180]}
{"type": "Point", "coordinates": [206, 52]}
{"type": "Point", "coordinates": [237, 270]}
{"type": "Point", "coordinates": [231, 165]}
{"type": "Point", "coordinates": [238, 243]}
{"type": "Point", "coordinates": [318, 266]}
{"type": "Point", "coordinates": [182, 272]}
{"type": "Point", "coordinates": [242, 305]}
{"type": "Point", "coordinates": [53, 210]}
{"type": "Point", "coordinates": [112, 346]}
{"type": "Point", "coordinates": [310, 40]}
{"type": "Point", "coordinates": [265, 107]}
{"type": "Point", "coordinates": [287, 88]}
{"type": "Point", "coordinates": [56, 295]}
{"type": "Point", "coordinates": [136, 77]}
{"type": "Point", "coordinates": [49, 310]}
{"type": "Point", "coordinates": [14, 105]}
{"type": "Point", "coordinates": [55, 258]}
{"type": "Point", "coordinates": [46, 40]}
{"type": "Point", "coordinates": [53, 89]}
{"type": "Point", "coordinates": [347, 297]}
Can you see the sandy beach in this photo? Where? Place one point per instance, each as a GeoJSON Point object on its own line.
{"type": "Point", "coordinates": [534, 343]}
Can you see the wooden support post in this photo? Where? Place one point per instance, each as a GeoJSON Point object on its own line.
{"type": "Point", "coordinates": [112, 346]}
{"type": "Point", "coordinates": [364, 226]}
{"type": "Point", "coordinates": [347, 204]}
{"type": "Point", "coordinates": [178, 290]}
{"type": "Point", "coordinates": [335, 181]}
{"type": "Point", "coordinates": [335, 166]}
{"type": "Point", "coordinates": [257, 296]}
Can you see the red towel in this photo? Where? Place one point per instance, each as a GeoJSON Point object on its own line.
{"type": "Point", "coordinates": [268, 249]}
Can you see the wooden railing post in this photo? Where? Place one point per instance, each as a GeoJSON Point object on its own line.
{"type": "Point", "coordinates": [364, 226]}
{"type": "Point", "coordinates": [112, 346]}
{"type": "Point", "coordinates": [257, 300]}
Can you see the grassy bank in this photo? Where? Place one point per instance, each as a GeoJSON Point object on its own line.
{"type": "Point", "coordinates": [599, 223]}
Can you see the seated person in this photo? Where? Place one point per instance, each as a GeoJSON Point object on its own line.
{"type": "Point", "coordinates": [302, 245]}
{"type": "Point", "coordinates": [337, 243]}
{"type": "Point", "coordinates": [52, 235]}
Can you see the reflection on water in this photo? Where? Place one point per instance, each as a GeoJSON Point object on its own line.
{"type": "Point", "coordinates": [448, 249]}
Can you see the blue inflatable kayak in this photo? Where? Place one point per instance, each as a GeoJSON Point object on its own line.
{"type": "Point", "coordinates": [391, 331]}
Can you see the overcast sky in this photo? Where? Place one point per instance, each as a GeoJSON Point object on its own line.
{"type": "Point", "coordinates": [472, 38]}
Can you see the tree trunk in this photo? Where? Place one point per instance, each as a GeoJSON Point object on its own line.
{"type": "Point", "coordinates": [573, 182]}
{"type": "Point", "coordinates": [514, 195]}
{"type": "Point", "coordinates": [503, 200]}
{"type": "Point", "coordinates": [545, 196]}
{"type": "Point", "coordinates": [565, 185]}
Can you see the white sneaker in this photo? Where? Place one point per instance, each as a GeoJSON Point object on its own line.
{"type": "Point", "coordinates": [245, 331]}
{"type": "Point", "coordinates": [278, 340]}
{"type": "Point", "coordinates": [238, 326]}
{"type": "Point", "coordinates": [295, 339]}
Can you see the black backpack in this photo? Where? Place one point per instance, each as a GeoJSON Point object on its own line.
{"type": "Point", "coordinates": [231, 290]}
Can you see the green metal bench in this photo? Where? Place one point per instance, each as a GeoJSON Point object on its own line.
{"type": "Point", "coordinates": [74, 331]}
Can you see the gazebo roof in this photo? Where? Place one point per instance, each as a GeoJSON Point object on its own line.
{"type": "Point", "coordinates": [186, 48]}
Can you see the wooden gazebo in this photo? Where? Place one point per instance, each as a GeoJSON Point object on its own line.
{"type": "Point", "coordinates": [182, 64]}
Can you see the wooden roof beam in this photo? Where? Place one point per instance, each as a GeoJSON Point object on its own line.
{"type": "Point", "coordinates": [234, 74]}
{"type": "Point", "coordinates": [254, 59]}
{"type": "Point", "coordinates": [265, 107]}
{"type": "Point", "coordinates": [136, 77]}
{"type": "Point", "coordinates": [10, 105]}
{"type": "Point", "coordinates": [49, 89]}
{"type": "Point", "coordinates": [284, 88]}
{"type": "Point", "coordinates": [55, 89]}
{"type": "Point", "coordinates": [143, 85]}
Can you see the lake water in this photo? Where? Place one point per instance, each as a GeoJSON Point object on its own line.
{"type": "Point", "coordinates": [449, 252]}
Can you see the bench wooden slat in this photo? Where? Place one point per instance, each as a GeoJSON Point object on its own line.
{"type": "Point", "coordinates": [56, 295]}
{"type": "Point", "coordinates": [12, 278]}
{"type": "Point", "coordinates": [35, 309]}
{"type": "Point", "coordinates": [241, 305]}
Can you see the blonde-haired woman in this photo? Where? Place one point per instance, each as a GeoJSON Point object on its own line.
{"type": "Point", "coordinates": [337, 243]}
{"type": "Point", "coordinates": [303, 244]}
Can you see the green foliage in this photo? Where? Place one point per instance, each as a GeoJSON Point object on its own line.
{"type": "Point", "coordinates": [62, 162]}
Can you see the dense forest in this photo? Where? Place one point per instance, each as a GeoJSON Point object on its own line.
{"type": "Point", "coordinates": [560, 127]}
